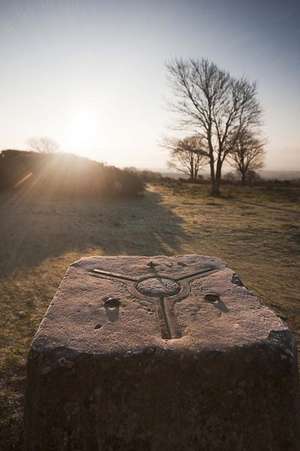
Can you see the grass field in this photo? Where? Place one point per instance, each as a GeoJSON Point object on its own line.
{"type": "Point", "coordinates": [256, 231]}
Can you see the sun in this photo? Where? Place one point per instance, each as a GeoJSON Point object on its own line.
{"type": "Point", "coordinates": [82, 132]}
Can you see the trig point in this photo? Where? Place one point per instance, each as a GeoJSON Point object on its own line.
{"type": "Point", "coordinates": [159, 354]}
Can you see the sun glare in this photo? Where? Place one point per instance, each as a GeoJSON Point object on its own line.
{"type": "Point", "coordinates": [82, 133]}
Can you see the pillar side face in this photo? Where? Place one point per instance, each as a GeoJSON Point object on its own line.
{"type": "Point", "coordinates": [173, 353]}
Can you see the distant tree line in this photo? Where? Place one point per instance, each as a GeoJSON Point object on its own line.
{"type": "Point", "coordinates": [225, 116]}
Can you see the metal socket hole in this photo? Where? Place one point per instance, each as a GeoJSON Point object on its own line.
{"type": "Point", "coordinates": [111, 303]}
{"type": "Point", "coordinates": [213, 298]}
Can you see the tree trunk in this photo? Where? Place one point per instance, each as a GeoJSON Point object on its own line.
{"type": "Point", "coordinates": [215, 184]}
{"type": "Point", "coordinates": [243, 178]}
{"type": "Point", "coordinates": [192, 175]}
{"type": "Point", "coordinates": [215, 188]}
{"type": "Point", "coordinates": [214, 191]}
{"type": "Point", "coordinates": [217, 180]}
{"type": "Point", "coordinates": [196, 173]}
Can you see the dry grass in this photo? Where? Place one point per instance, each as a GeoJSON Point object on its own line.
{"type": "Point", "coordinates": [256, 231]}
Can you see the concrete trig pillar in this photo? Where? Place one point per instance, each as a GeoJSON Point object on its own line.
{"type": "Point", "coordinates": [159, 354]}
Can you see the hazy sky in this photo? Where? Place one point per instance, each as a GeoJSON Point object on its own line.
{"type": "Point", "coordinates": [90, 74]}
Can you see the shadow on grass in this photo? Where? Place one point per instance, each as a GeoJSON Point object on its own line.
{"type": "Point", "coordinates": [35, 229]}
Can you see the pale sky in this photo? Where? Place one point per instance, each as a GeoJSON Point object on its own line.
{"type": "Point", "coordinates": [90, 74]}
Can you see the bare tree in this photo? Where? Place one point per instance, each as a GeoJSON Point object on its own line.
{"type": "Point", "coordinates": [248, 154]}
{"type": "Point", "coordinates": [43, 144]}
{"type": "Point", "coordinates": [187, 155]}
{"type": "Point", "coordinates": [216, 105]}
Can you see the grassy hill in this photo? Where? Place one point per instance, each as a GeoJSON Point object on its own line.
{"type": "Point", "coordinates": [64, 175]}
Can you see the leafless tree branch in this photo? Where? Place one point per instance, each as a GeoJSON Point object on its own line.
{"type": "Point", "coordinates": [214, 102]}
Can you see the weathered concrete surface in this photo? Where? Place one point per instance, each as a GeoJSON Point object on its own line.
{"type": "Point", "coordinates": [154, 357]}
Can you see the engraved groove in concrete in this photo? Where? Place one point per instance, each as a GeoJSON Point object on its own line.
{"type": "Point", "coordinates": [113, 275]}
{"type": "Point", "coordinates": [167, 289]}
{"type": "Point", "coordinates": [166, 308]}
